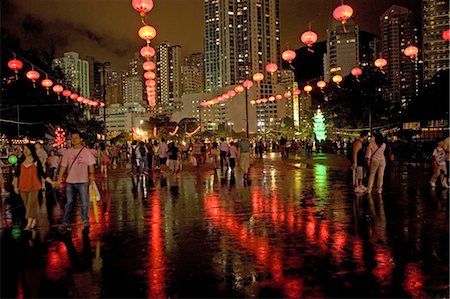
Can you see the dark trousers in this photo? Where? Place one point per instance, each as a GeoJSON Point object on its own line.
{"type": "Point", "coordinates": [223, 159]}
{"type": "Point", "coordinates": [232, 163]}
{"type": "Point", "coordinates": [150, 162]}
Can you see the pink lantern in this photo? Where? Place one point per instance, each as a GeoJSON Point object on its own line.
{"type": "Point", "coordinates": [279, 97]}
{"type": "Point", "coordinates": [272, 99]}
{"type": "Point", "coordinates": [258, 77]}
{"type": "Point", "coordinates": [380, 63]}
{"type": "Point", "coordinates": [288, 55]}
{"type": "Point", "coordinates": [264, 100]}
{"type": "Point", "coordinates": [150, 83]}
{"type": "Point", "coordinates": [342, 13]}
{"type": "Point", "coordinates": [239, 89]}
{"type": "Point", "coordinates": [33, 76]}
{"type": "Point", "coordinates": [231, 93]}
{"type": "Point", "coordinates": [271, 68]}
{"type": "Point", "coordinates": [147, 33]}
{"type": "Point", "coordinates": [225, 96]}
{"type": "Point", "coordinates": [80, 99]}
{"type": "Point", "coordinates": [86, 101]}
{"type": "Point", "coordinates": [74, 96]}
{"type": "Point", "coordinates": [149, 75]}
{"type": "Point", "coordinates": [47, 83]}
{"type": "Point", "coordinates": [307, 88]}
{"type": "Point", "coordinates": [220, 98]}
{"type": "Point", "coordinates": [149, 66]}
{"type": "Point", "coordinates": [287, 94]}
{"type": "Point", "coordinates": [102, 104]}
{"type": "Point", "coordinates": [258, 101]}
{"type": "Point", "coordinates": [321, 84]}
{"type": "Point", "coordinates": [253, 102]}
{"type": "Point", "coordinates": [142, 6]}
{"type": "Point", "coordinates": [58, 88]}
{"type": "Point", "coordinates": [337, 79]}
{"type": "Point", "coordinates": [446, 35]}
{"type": "Point", "coordinates": [248, 83]}
{"type": "Point", "coordinates": [309, 38]}
{"type": "Point", "coordinates": [297, 91]}
{"type": "Point", "coordinates": [15, 65]}
{"type": "Point", "coordinates": [67, 93]}
{"type": "Point", "coordinates": [411, 51]}
{"type": "Point", "coordinates": [356, 71]}
{"type": "Point", "coordinates": [147, 52]}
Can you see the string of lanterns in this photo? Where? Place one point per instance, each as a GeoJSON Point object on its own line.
{"type": "Point", "coordinates": [147, 33]}
{"type": "Point", "coordinates": [16, 65]}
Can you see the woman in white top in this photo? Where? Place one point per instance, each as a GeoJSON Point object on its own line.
{"type": "Point", "coordinates": [232, 155]}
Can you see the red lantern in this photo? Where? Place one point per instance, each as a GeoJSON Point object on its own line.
{"type": "Point", "coordinates": [58, 88]}
{"type": "Point", "coordinates": [258, 77]}
{"type": "Point", "coordinates": [74, 96]}
{"type": "Point", "coordinates": [231, 93]}
{"type": "Point", "coordinates": [15, 65]}
{"type": "Point", "coordinates": [252, 102]}
{"type": "Point", "coordinates": [258, 101]}
{"type": "Point", "coordinates": [149, 66]}
{"type": "Point", "coordinates": [287, 94]}
{"type": "Point", "coordinates": [264, 100]}
{"type": "Point", "coordinates": [321, 84]}
{"type": "Point", "coordinates": [411, 51]}
{"type": "Point", "coordinates": [297, 91]}
{"type": "Point", "coordinates": [271, 68]}
{"type": "Point", "coordinates": [239, 89]}
{"type": "Point", "coordinates": [225, 96]}
{"type": "Point", "coordinates": [309, 38]}
{"type": "Point", "coordinates": [288, 55]}
{"type": "Point", "coordinates": [248, 84]}
{"type": "Point", "coordinates": [307, 88]}
{"type": "Point", "coordinates": [47, 83]}
{"type": "Point", "coordinates": [356, 71]}
{"type": "Point", "coordinates": [102, 104]}
{"type": "Point", "coordinates": [337, 79]}
{"type": "Point", "coordinates": [147, 52]}
{"type": "Point", "coordinates": [67, 93]}
{"type": "Point", "coordinates": [33, 76]}
{"type": "Point", "coordinates": [380, 63]}
{"type": "Point", "coordinates": [142, 6]}
{"type": "Point", "coordinates": [147, 33]}
{"type": "Point", "coordinates": [279, 97]}
{"type": "Point", "coordinates": [149, 75]}
{"type": "Point", "coordinates": [80, 99]}
{"type": "Point", "coordinates": [272, 99]}
{"type": "Point", "coordinates": [342, 13]}
{"type": "Point", "coordinates": [446, 35]}
{"type": "Point", "coordinates": [219, 99]}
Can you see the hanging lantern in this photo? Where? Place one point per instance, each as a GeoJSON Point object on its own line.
{"type": "Point", "coordinates": [33, 76]}
{"type": "Point", "coordinates": [411, 51]}
{"type": "Point", "coordinates": [264, 100]}
{"type": "Point", "coordinates": [150, 83]}
{"type": "Point", "coordinates": [80, 99]}
{"type": "Point", "coordinates": [58, 89]}
{"type": "Point", "coordinates": [321, 84]}
{"type": "Point", "coordinates": [149, 66]}
{"type": "Point", "coordinates": [307, 88]}
{"type": "Point", "coordinates": [278, 97]}
{"type": "Point", "coordinates": [74, 96]}
{"type": "Point", "coordinates": [142, 6]}
{"type": "Point", "coordinates": [342, 13]}
{"type": "Point", "coordinates": [356, 71]}
{"type": "Point", "coordinates": [15, 65]}
{"type": "Point", "coordinates": [225, 96]}
{"type": "Point", "coordinates": [102, 104]}
{"type": "Point", "coordinates": [248, 83]}
{"type": "Point", "coordinates": [149, 75]}
{"type": "Point", "coordinates": [147, 33]}
{"type": "Point", "coordinates": [252, 102]}
{"type": "Point", "coordinates": [258, 101]}
{"type": "Point", "coordinates": [380, 63]}
{"type": "Point", "coordinates": [47, 83]}
{"type": "Point", "coordinates": [337, 79]}
{"type": "Point", "coordinates": [309, 38]}
{"type": "Point", "coordinates": [258, 77]}
{"type": "Point", "coordinates": [287, 94]}
{"type": "Point", "coordinates": [239, 88]}
{"type": "Point", "coordinates": [272, 99]}
{"type": "Point", "coordinates": [288, 55]}
{"type": "Point", "coordinates": [67, 93]}
{"type": "Point", "coordinates": [219, 99]}
{"type": "Point", "coordinates": [147, 52]}
{"type": "Point", "coordinates": [297, 91]}
{"type": "Point", "coordinates": [271, 68]}
{"type": "Point", "coordinates": [231, 93]}
{"type": "Point", "coordinates": [446, 35]}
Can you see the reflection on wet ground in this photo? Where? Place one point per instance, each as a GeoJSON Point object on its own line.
{"type": "Point", "coordinates": [296, 230]}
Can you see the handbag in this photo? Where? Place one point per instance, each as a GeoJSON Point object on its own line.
{"type": "Point", "coordinates": [105, 158]}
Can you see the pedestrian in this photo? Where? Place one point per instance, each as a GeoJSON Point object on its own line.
{"type": "Point", "coordinates": [79, 163]}
{"type": "Point", "coordinates": [260, 148]}
{"type": "Point", "coordinates": [283, 147]}
{"type": "Point", "coordinates": [197, 151]}
{"type": "Point", "coordinates": [163, 152]}
{"type": "Point", "coordinates": [215, 153]}
{"type": "Point", "coordinates": [103, 159]}
{"type": "Point", "coordinates": [439, 166]}
{"type": "Point", "coordinates": [203, 151]}
{"type": "Point", "coordinates": [124, 152]}
{"type": "Point", "coordinates": [150, 154]}
{"type": "Point", "coordinates": [359, 161]}
{"type": "Point", "coordinates": [42, 155]}
{"type": "Point", "coordinates": [244, 155]}
{"type": "Point", "coordinates": [156, 154]}
{"type": "Point", "coordinates": [223, 147]}
{"type": "Point", "coordinates": [53, 164]}
{"type": "Point", "coordinates": [27, 182]}
{"type": "Point", "coordinates": [143, 162]}
{"type": "Point", "coordinates": [446, 148]}
{"type": "Point", "coordinates": [173, 154]}
{"type": "Point", "coordinates": [114, 155]}
{"type": "Point", "coordinates": [232, 155]}
{"type": "Point", "coordinates": [135, 157]}
{"type": "Point", "coordinates": [376, 162]}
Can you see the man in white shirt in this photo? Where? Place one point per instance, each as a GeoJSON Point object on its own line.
{"type": "Point", "coordinates": [223, 147]}
{"type": "Point", "coordinates": [163, 152]}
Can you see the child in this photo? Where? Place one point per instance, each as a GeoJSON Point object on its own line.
{"type": "Point", "coordinates": [439, 167]}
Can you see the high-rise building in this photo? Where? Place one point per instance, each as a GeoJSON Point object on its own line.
{"type": "Point", "coordinates": [115, 85]}
{"type": "Point", "coordinates": [168, 77]}
{"type": "Point", "coordinates": [435, 20]}
{"type": "Point", "coordinates": [241, 38]}
{"type": "Point", "coordinates": [95, 78]}
{"type": "Point", "coordinates": [133, 87]}
{"type": "Point", "coordinates": [342, 48]}
{"type": "Point", "coordinates": [398, 31]}
{"type": "Point", "coordinates": [76, 72]}
{"type": "Point", "coordinates": [193, 73]}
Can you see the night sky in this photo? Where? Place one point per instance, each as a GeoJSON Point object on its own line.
{"type": "Point", "coordinates": [107, 29]}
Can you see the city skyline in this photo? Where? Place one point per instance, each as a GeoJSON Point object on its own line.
{"type": "Point", "coordinates": [94, 34]}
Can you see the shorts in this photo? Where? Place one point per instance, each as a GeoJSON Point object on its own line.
{"type": "Point", "coordinates": [162, 161]}
{"type": "Point", "coordinates": [359, 173]}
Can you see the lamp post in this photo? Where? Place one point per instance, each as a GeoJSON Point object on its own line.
{"type": "Point", "coordinates": [246, 111]}
{"type": "Point", "coordinates": [107, 63]}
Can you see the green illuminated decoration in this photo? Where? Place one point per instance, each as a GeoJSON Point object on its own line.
{"type": "Point", "coordinates": [319, 126]}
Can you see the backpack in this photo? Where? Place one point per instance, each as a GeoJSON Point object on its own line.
{"type": "Point", "coordinates": [133, 153]}
{"type": "Point", "coordinates": [142, 151]}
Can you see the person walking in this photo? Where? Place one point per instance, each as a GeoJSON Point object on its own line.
{"type": "Point", "coordinates": [173, 154]}
{"type": "Point", "coordinates": [53, 163]}
{"type": "Point", "coordinates": [143, 162]}
{"type": "Point", "coordinates": [215, 153]}
{"type": "Point", "coordinates": [163, 153]}
{"type": "Point", "coordinates": [135, 157]}
{"type": "Point", "coordinates": [244, 155]}
{"type": "Point", "coordinates": [232, 154]}
{"type": "Point", "coordinates": [197, 151]}
{"type": "Point", "coordinates": [150, 154]}
{"type": "Point", "coordinates": [156, 154]}
{"type": "Point", "coordinates": [359, 160]}
{"type": "Point", "coordinates": [103, 159]}
{"type": "Point", "coordinates": [439, 166]}
{"type": "Point", "coordinates": [28, 182]}
{"type": "Point", "coordinates": [223, 147]}
{"type": "Point", "coordinates": [114, 155]}
{"type": "Point", "coordinates": [376, 162]}
{"type": "Point", "coordinates": [79, 163]}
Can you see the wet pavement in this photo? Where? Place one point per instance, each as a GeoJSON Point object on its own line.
{"type": "Point", "coordinates": [296, 230]}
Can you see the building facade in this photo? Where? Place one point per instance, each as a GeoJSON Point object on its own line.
{"type": "Point", "coordinates": [435, 20]}
{"type": "Point", "coordinates": [193, 73]}
{"type": "Point", "coordinates": [76, 72]}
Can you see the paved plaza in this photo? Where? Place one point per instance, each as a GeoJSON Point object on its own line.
{"type": "Point", "coordinates": [295, 230]}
